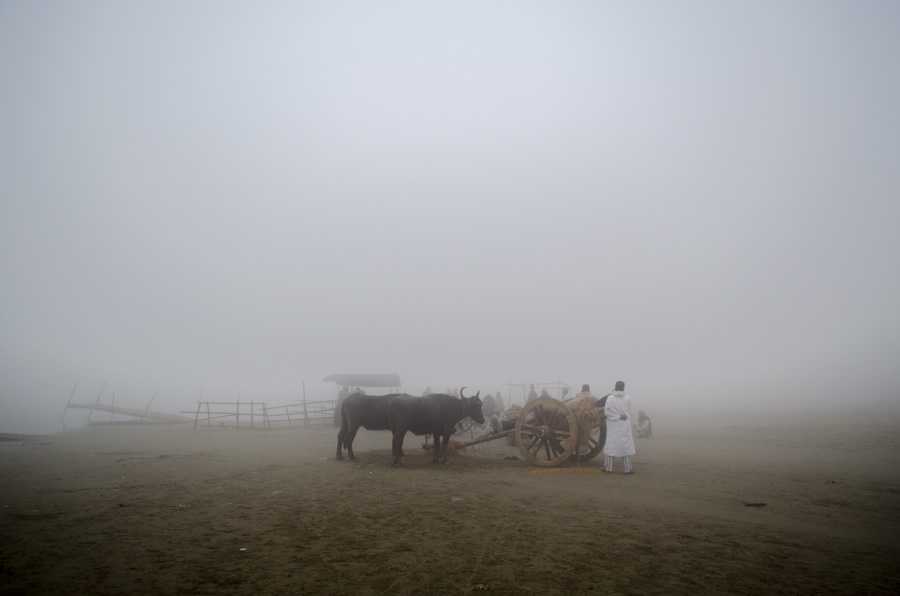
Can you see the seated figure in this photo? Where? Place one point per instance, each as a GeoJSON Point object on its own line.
{"type": "Point", "coordinates": [643, 428]}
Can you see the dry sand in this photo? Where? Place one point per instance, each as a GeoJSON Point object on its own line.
{"type": "Point", "coordinates": [168, 510]}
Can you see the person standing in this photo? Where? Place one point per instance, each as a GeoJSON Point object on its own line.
{"type": "Point", "coordinates": [584, 406]}
{"type": "Point", "coordinates": [487, 406]}
{"type": "Point", "coordinates": [498, 403]}
{"type": "Point", "coordinates": [342, 395]}
{"type": "Point", "coordinates": [532, 395]}
{"type": "Point", "coordinates": [619, 440]}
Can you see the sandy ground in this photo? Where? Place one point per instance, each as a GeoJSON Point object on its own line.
{"type": "Point", "coordinates": [168, 510]}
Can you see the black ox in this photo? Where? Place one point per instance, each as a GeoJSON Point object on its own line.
{"type": "Point", "coordinates": [436, 414]}
{"type": "Point", "coordinates": [368, 411]}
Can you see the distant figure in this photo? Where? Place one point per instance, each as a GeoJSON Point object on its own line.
{"type": "Point", "coordinates": [456, 392]}
{"type": "Point", "coordinates": [532, 395]}
{"type": "Point", "coordinates": [643, 428]}
{"type": "Point", "coordinates": [342, 395]}
{"type": "Point", "coordinates": [544, 393]}
{"type": "Point", "coordinates": [498, 402]}
{"type": "Point", "coordinates": [585, 392]}
{"type": "Point", "coordinates": [427, 392]}
{"type": "Point", "coordinates": [488, 406]}
{"type": "Point", "coordinates": [619, 440]}
{"type": "Point", "coordinates": [565, 393]}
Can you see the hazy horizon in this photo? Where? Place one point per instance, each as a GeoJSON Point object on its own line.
{"type": "Point", "coordinates": [697, 198]}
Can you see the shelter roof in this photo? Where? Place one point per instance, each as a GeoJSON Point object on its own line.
{"type": "Point", "coordinates": [357, 380]}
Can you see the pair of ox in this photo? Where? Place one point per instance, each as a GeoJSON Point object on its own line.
{"type": "Point", "coordinates": [436, 414]}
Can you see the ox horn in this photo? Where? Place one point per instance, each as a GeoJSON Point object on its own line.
{"type": "Point", "coordinates": [461, 393]}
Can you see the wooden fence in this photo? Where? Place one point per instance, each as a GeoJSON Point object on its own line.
{"type": "Point", "coordinates": [306, 413]}
{"type": "Point", "coordinates": [256, 415]}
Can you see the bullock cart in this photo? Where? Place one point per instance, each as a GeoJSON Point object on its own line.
{"type": "Point", "coordinates": [549, 432]}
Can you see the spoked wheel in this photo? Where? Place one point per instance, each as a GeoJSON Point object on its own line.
{"type": "Point", "coordinates": [546, 432]}
{"type": "Point", "coordinates": [595, 442]}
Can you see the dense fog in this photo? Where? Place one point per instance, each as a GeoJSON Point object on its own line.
{"type": "Point", "coordinates": [698, 198]}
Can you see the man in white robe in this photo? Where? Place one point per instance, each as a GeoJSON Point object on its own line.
{"type": "Point", "coordinates": [619, 440]}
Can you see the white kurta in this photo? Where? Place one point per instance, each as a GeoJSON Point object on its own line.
{"type": "Point", "coordinates": [619, 440]}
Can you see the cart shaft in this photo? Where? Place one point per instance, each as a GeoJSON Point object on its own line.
{"type": "Point", "coordinates": [485, 439]}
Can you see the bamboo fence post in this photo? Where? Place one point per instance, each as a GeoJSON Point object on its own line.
{"type": "Point", "coordinates": [62, 418]}
{"type": "Point", "coordinates": [305, 413]}
{"type": "Point", "coordinates": [97, 401]}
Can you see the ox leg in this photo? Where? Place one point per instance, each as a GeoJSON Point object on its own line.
{"type": "Point", "coordinates": [349, 442]}
{"type": "Point", "coordinates": [342, 435]}
{"type": "Point", "coordinates": [436, 456]}
{"type": "Point", "coordinates": [445, 445]}
{"type": "Point", "coordinates": [397, 448]}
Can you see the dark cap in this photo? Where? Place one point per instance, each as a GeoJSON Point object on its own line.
{"type": "Point", "coordinates": [585, 387]}
{"type": "Point", "coordinates": [620, 385]}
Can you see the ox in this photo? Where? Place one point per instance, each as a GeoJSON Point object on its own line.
{"type": "Point", "coordinates": [369, 411]}
{"type": "Point", "coordinates": [435, 414]}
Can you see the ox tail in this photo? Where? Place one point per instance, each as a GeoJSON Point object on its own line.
{"type": "Point", "coordinates": [345, 426]}
{"type": "Point", "coordinates": [392, 422]}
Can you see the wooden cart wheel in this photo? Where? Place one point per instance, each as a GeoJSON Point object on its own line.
{"type": "Point", "coordinates": [546, 432]}
{"type": "Point", "coordinates": [595, 442]}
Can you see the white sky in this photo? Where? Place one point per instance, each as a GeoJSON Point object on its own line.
{"type": "Point", "coordinates": [698, 198]}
